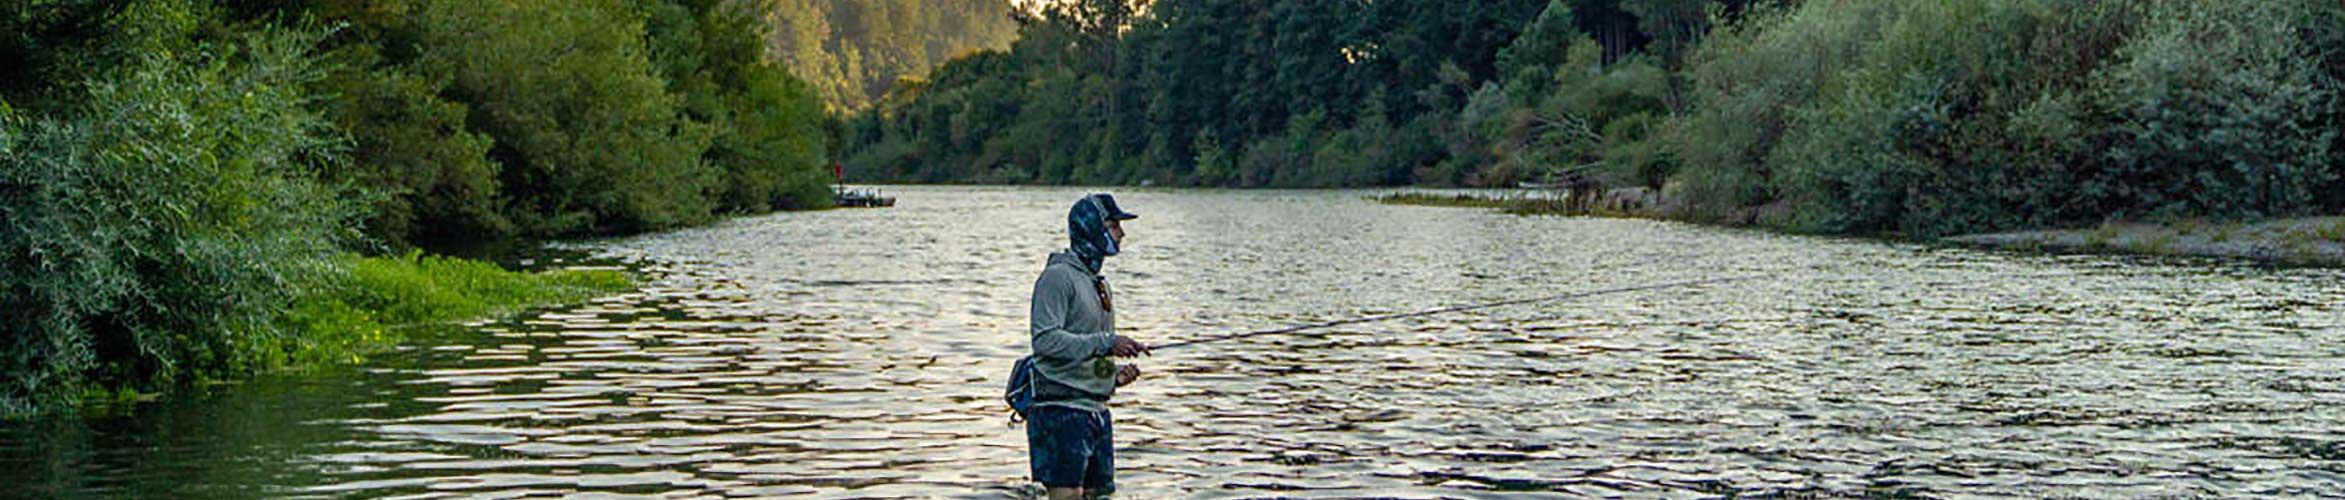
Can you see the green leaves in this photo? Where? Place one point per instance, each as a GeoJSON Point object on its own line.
{"type": "Point", "coordinates": [592, 140]}
{"type": "Point", "coordinates": [1930, 118]}
{"type": "Point", "coordinates": [158, 227]}
{"type": "Point", "coordinates": [180, 213]}
{"type": "Point", "coordinates": [853, 51]}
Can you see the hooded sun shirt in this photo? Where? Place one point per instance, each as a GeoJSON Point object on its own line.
{"type": "Point", "coordinates": [1073, 330]}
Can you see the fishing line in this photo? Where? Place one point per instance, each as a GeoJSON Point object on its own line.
{"type": "Point", "coordinates": [1430, 312]}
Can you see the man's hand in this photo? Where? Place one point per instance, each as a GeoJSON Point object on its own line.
{"type": "Point", "coordinates": [1125, 347]}
{"type": "Point", "coordinates": [1125, 374]}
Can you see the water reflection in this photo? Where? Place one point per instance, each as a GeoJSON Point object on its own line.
{"type": "Point", "coordinates": [857, 354]}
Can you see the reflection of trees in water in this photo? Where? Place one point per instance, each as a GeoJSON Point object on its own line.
{"type": "Point", "coordinates": [270, 436]}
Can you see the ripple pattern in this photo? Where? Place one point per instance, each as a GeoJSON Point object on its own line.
{"type": "Point", "coordinates": [858, 354]}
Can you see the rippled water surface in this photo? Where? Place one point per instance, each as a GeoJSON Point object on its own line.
{"type": "Point", "coordinates": [859, 353]}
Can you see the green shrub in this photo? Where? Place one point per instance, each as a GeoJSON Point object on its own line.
{"type": "Point", "coordinates": [1471, 150]}
{"type": "Point", "coordinates": [155, 232]}
{"type": "Point", "coordinates": [1634, 152]}
{"type": "Point", "coordinates": [1930, 118]}
{"type": "Point", "coordinates": [1964, 116]}
{"type": "Point", "coordinates": [1744, 82]}
{"type": "Point", "coordinates": [431, 177]}
{"type": "Point", "coordinates": [590, 138]}
{"type": "Point", "coordinates": [767, 124]}
{"type": "Point", "coordinates": [1583, 117]}
{"type": "Point", "coordinates": [771, 147]}
{"type": "Point", "coordinates": [2326, 35]}
{"type": "Point", "coordinates": [1215, 165]}
{"type": "Point", "coordinates": [2217, 112]}
{"type": "Point", "coordinates": [1370, 153]}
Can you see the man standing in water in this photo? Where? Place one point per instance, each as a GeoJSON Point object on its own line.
{"type": "Point", "coordinates": [1069, 433]}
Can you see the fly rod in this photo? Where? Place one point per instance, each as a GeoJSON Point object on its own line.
{"type": "Point", "coordinates": [1430, 312]}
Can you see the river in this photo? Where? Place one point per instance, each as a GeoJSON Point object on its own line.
{"type": "Point", "coordinates": [860, 353]}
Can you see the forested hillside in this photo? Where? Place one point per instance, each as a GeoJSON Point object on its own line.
{"type": "Point", "coordinates": [854, 51]}
{"type": "Point", "coordinates": [1842, 116]}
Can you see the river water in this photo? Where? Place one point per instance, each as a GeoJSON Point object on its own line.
{"type": "Point", "coordinates": [860, 353]}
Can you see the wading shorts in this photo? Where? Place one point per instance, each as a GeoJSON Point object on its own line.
{"type": "Point", "coordinates": [1071, 448]}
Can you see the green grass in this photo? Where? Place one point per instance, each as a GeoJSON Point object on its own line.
{"type": "Point", "coordinates": [383, 295]}
{"type": "Point", "coordinates": [2159, 242]}
{"type": "Point", "coordinates": [2186, 227]}
{"type": "Point", "coordinates": [2224, 232]}
{"type": "Point", "coordinates": [2102, 237]}
{"type": "Point", "coordinates": [2334, 230]}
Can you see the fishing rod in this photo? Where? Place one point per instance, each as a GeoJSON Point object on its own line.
{"type": "Point", "coordinates": [1430, 312]}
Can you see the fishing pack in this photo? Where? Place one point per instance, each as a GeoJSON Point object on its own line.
{"type": "Point", "coordinates": [1020, 394]}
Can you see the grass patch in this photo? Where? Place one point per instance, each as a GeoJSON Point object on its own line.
{"type": "Point", "coordinates": [2159, 243]}
{"type": "Point", "coordinates": [2186, 227]}
{"type": "Point", "coordinates": [2102, 237]}
{"type": "Point", "coordinates": [2334, 230]}
{"type": "Point", "coordinates": [384, 294]}
{"type": "Point", "coordinates": [2224, 233]}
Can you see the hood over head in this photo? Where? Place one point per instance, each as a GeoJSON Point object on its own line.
{"type": "Point", "coordinates": [1087, 235]}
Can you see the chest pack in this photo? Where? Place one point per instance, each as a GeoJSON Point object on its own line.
{"type": "Point", "coordinates": [1020, 394]}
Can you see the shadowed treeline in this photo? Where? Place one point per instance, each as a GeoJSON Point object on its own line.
{"type": "Point", "coordinates": [1840, 116]}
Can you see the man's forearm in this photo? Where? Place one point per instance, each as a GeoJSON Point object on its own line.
{"type": "Point", "coordinates": [1065, 345]}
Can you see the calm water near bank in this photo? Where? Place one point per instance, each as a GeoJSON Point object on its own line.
{"type": "Point", "coordinates": [859, 353]}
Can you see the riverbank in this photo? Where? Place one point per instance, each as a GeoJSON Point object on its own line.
{"type": "Point", "coordinates": [2316, 241]}
{"type": "Point", "coordinates": [2297, 241]}
{"type": "Point", "coordinates": [373, 305]}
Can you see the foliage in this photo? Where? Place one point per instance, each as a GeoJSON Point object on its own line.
{"type": "Point", "coordinates": [431, 175]}
{"type": "Point", "coordinates": [854, 51]}
{"type": "Point", "coordinates": [1082, 98]}
{"type": "Point", "coordinates": [767, 125]}
{"type": "Point", "coordinates": [182, 181]}
{"type": "Point", "coordinates": [590, 137]}
{"type": "Point", "coordinates": [1944, 117]}
{"type": "Point", "coordinates": [1742, 83]}
{"type": "Point", "coordinates": [1848, 116]}
{"type": "Point", "coordinates": [2218, 114]}
{"type": "Point", "coordinates": [47, 41]}
{"type": "Point", "coordinates": [155, 231]}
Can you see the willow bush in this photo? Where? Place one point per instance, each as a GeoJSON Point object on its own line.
{"type": "Point", "coordinates": [2221, 109]}
{"type": "Point", "coordinates": [1744, 82]}
{"type": "Point", "coordinates": [1930, 118]}
{"type": "Point", "coordinates": [158, 230]}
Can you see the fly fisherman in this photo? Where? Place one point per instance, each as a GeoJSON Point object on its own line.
{"type": "Point", "coordinates": [1069, 432]}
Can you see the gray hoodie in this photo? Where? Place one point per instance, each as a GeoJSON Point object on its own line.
{"type": "Point", "coordinates": [1073, 333]}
